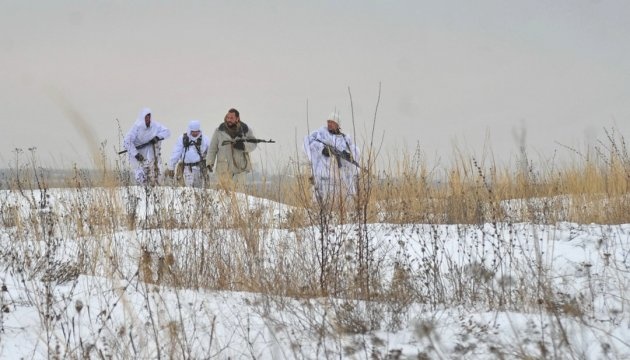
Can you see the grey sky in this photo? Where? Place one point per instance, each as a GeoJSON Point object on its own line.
{"type": "Point", "coordinates": [464, 72]}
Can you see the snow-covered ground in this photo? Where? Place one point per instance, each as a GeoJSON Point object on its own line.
{"type": "Point", "coordinates": [119, 273]}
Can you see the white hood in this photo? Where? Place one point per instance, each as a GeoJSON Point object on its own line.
{"type": "Point", "coordinates": [141, 115]}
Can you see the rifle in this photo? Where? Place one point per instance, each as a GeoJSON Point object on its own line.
{"type": "Point", "coordinates": [341, 155]}
{"type": "Point", "coordinates": [255, 141]}
{"type": "Point", "coordinates": [139, 146]}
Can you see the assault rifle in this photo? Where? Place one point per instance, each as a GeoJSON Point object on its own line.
{"type": "Point", "coordinates": [341, 155]}
{"type": "Point", "coordinates": [255, 141]}
{"type": "Point", "coordinates": [141, 146]}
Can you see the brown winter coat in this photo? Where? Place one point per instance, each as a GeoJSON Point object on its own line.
{"type": "Point", "coordinates": [225, 159]}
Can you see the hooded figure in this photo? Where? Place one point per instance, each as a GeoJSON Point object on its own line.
{"type": "Point", "coordinates": [229, 152]}
{"type": "Point", "coordinates": [143, 144]}
{"type": "Point", "coordinates": [328, 150]}
{"type": "Point", "coordinates": [191, 149]}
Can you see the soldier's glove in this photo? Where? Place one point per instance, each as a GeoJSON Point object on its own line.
{"type": "Point", "coordinates": [325, 151]}
{"type": "Point", "coordinates": [346, 155]}
{"type": "Point", "coordinates": [169, 173]}
{"type": "Point", "coordinates": [155, 140]}
{"type": "Point", "coordinates": [209, 167]}
{"type": "Point", "coordinates": [139, 157]}
{"type": "Point", "coordinates": [239, 145]}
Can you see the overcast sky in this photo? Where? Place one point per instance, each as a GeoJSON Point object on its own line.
{"type": "Point", "coordinates": [470, 73]}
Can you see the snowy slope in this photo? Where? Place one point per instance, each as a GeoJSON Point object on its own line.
{"type": "Point", "coordinates": [75, 283]}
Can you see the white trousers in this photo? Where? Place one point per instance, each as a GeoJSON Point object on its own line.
{"type": "Point", "coordinates": [193, 176]}
{"type": "Point", "coordinates": [146, 173]}
{"type": "Point", "coordinates": [331, 192]}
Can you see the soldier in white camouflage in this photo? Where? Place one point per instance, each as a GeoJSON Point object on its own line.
{"type": "Point", "coordinates": [190, 153]}
{"type": "Point", "coordinates": [143, 144]}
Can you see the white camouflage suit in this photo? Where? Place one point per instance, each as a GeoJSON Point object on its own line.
{"type": "Point", "coordinates": [334, 178]}
{"type": "Point", "coordinates": [193, 158]}
{"type": "Point", "coordinates": [148, 170]}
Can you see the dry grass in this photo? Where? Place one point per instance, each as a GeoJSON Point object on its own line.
{"type": "Point", "coordinates": [223, 244]}
{"type": "Point", "coordinates": [594, 190]}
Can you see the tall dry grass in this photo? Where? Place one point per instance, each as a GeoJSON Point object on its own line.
{"type": "Point", "coordinates": [591, 189]}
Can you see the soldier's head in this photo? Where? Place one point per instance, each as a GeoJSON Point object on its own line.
{"type": "Point", "coordinates": [145, 114]}
{"type": "Point", "coordinates": [194, 127]}
{"type": "Point", "coordinates": [232, 118]}
{"type": "Point", "coordinates": [333, 122]}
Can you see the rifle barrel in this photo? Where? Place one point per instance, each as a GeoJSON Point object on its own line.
{"type": "Point", "coordinates": [254, 141]}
